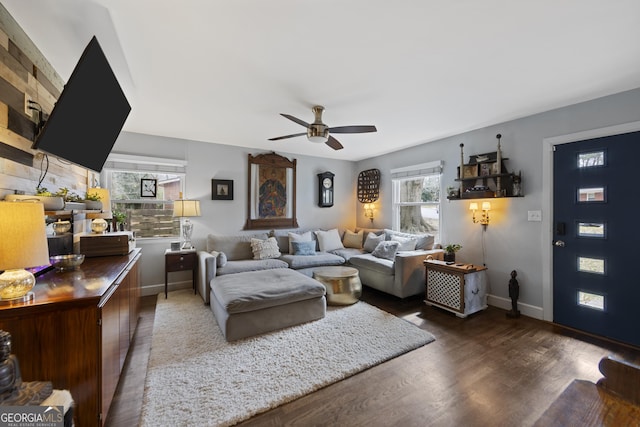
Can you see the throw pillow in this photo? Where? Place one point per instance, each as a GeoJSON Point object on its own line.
{"type": "Point", "coordinates": [222, 259]}
{"type": "Point", "coordinates": [386, 250]}
{"type": "Point", "coordinates": [304, 248]}
{"type": "Point", "coordinates": [353, 240]}
{"type": "Point", "coordinates": [329, 240]}
{"type": "Point", "coordinates": [406, 244]}
{"type": "Point", "coordinates": [372, 241]}
{"type": "Point", "coordinates": [294, 237]}
{"type": "Point", "coordinates": [265, 249]}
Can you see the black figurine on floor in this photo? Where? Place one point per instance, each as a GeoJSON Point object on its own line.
{"type": "Point", "coordinates": [514, 293]}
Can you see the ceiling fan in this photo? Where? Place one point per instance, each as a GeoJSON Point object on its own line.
{"type": "Point", "coordinates": [319, 132]}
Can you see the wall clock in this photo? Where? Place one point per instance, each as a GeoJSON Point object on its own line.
{"type": "Point", "coordinates": [148, 187]}
{"type": "Point", "coordinates": [325, 189]}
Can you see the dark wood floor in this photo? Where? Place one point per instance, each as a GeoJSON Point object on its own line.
{"type": "Point", "coordinates": [486, 370]}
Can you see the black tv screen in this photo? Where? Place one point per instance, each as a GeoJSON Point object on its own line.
{"type": "Point", "coordinates": [88, 116]}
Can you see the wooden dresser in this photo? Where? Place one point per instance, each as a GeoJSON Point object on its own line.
{"type": "Point", "coordinates": [76, 332]}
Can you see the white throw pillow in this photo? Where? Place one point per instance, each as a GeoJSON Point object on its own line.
{"type": "Point", "coordinates": [265, 249]}
{"type": "Point", "coordinates": [295, 237]}
{"type": "Point", "coordinates": [329, 240]}
{"type": "Point", "coordinates": [406, 244]}
{"type": "Point", "coordinates": [353, 240]}
{"type": "Point", "coordinates": [372, 241]}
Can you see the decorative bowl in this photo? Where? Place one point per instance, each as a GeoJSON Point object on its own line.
{"type": "Point", "coordinates": [66, 262]}
{"type": "Point", "coordinates": [61, 227]}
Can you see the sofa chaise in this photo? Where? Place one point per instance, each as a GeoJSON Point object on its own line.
{"type": "Point", "coordinates": [402, 275]}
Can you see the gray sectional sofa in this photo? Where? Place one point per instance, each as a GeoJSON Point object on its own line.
{"type": "Point", "coordinates": [399, 273]}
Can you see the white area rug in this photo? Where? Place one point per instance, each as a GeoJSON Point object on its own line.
{"type": "Point", "coordinates": [195, 377]}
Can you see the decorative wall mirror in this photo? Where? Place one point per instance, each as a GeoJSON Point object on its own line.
{"type": "Point", "coordinates": [272, 192]}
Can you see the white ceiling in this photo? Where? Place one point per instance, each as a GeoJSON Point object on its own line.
{"type": "Point", "coordinates": [420, 70]}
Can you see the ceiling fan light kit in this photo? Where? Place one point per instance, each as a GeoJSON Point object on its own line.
{"type": "Point", "coordinates": [320, 133]}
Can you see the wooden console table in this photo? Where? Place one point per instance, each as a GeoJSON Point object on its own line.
{"type": "Point", "coordinates": [76, 331]}
{"type": "Point", "coordinates": [459, 288]}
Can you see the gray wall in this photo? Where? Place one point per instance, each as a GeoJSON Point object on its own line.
{"type": "Point", "coordinates": [510, 241]}
{"type": "Point", "coordinates": [207, 161]}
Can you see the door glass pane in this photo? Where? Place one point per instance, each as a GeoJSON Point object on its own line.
{"type": "Point", "coordinates": [591, 265]}
{"type": "Point", "coordinates": [591, 229]}
{"type": "Point", "coordinates": [590, 300]}
{"type": "Point", "coordinates": [587, 160]}
{"type": "Point", "coordinates": [586, 195]}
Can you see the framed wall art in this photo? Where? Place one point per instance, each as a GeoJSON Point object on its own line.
{"type": "Point", "coordinates": [148, 187]}
{"type": "Point", "coordinates": [221, 189]}
{"type": "Point", "coordinates": [271, 192]}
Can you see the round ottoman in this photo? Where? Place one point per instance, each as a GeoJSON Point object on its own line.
{"type": "Point", "coordinates": [342, 284]}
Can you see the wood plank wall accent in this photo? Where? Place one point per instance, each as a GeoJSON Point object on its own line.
{"type": "Point", "coordinates": [25, 74]}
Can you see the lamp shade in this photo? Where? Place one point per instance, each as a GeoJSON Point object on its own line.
{"type": "Point", "coordinates": [473, 206]}
{"type": "Point", "coordinates": [186, 208]}
{"type": "Point", "coordinates": [486, 206]}
{"type": "Point", "coordinates": [105, 198]}
{"type": "Point", "coordinates": [23, 236]}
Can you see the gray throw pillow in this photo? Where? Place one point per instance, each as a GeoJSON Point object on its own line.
{"type": "Point", "coordinates": [222, 260]}
{"type": "Point", "coordinates": [386, 250]}
{"type": "Point", "coordinates": [304, 247]}
{"type": "Point", "coordinates": [372, 241]}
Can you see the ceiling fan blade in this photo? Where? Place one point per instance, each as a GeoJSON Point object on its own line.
{"type": "Point", "coordinates": [287, 136]}
{"type": "Point", "coordinates": [333, 143]}
{"type": "Point", "coordinates": [295, 119]}
{"type": "Point", "coordinates": [353, 129]}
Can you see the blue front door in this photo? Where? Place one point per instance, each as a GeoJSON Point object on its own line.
{"type": "Point", "coordinates": [596, 203]}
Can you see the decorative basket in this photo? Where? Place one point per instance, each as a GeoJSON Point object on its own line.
{"type": "Point", "coordinates": [369, 186]}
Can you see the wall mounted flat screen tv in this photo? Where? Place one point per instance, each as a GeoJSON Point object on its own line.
{"type": "Point", "coordinates": [89, 115]}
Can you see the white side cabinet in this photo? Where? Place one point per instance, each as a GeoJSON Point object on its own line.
{"type": "Point", "coordinates": [461, 289]}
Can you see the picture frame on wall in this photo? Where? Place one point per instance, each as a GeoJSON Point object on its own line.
{"type": "Point", "coordinates": [271, 192]}
{"type": "Point", "coordinates": [148, 187]}
{"type": "Point", "coordinates": [221, 189]}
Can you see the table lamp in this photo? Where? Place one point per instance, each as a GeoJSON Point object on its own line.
{"type": "Point", "coordinates": [185, 209]}
{"type": "Point", "coordinates": [23, 244]}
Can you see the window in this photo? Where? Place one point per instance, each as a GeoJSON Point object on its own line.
{"type": "Point", "coordinates": [416, 199]}
{"type": "Point", "coordinates": [147, 216]}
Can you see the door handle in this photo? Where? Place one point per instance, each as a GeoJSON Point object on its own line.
{"type": "Point", "coordinates": [558, 243]}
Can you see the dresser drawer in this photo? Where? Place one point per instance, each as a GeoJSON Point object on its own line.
{"type": "Point", "coordinates": [180, 262]}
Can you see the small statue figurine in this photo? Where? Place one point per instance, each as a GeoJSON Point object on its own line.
{"type": "Point", "coordinates": [514, 293]}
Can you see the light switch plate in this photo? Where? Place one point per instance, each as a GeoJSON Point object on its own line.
{"type": "Point", "coordinates": [534, 216]}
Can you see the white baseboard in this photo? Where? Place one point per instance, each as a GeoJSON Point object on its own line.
{"type": "Point", "coordinates": [159, 288]}
{"type": "Point", "coordinates": [525, 309]}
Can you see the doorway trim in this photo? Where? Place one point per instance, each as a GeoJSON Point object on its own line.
{"type": "Point", "coordinates": [547, 200]}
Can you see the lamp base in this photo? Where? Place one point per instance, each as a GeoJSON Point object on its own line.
{"type": "Point", "coordinates": [15, 284]}
{"type": "Point", "coordinates": [29, 296]}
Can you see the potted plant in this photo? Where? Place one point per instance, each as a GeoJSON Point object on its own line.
{"type": "Point", "coordinates": [119, 219]}
{"type": "Point", "coordinates": [450, 252]}
{"type": "Point", "coordinates": [92, 200]}
{"type": "Point", "coordinates": [71, 199]}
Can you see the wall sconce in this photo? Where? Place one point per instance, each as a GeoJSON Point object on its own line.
{"type": "Point", "coordinates": [368, 210]}
{"type": "Point", "coordinates": [484, 218]}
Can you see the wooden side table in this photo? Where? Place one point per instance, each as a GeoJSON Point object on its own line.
{"type": "Point", "coordinates": [180, 261]}
{"type": "Point", "coordinates": [461, 289]}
